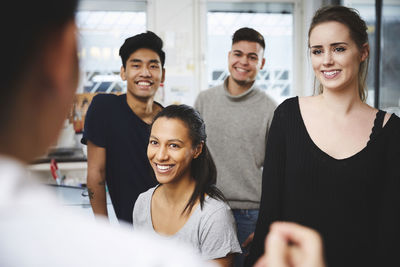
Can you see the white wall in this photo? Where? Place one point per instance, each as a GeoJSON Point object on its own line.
{"type": "Point", "coordinates": [177, 22]}
{"type": "Point", "coordinates": [305, 74]}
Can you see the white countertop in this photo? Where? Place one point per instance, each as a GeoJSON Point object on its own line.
{"type": "Point", "coordinates": [75, 172]}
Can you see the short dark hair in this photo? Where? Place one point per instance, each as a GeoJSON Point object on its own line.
{"type": "Point", "coordinates": [248, 34]}
{"type": "Point", "coordinates": [147, 40]}
{"type": "Point", "coordinates": [203, 168]}
{"type": "Point", "coordinates": [26, 39]}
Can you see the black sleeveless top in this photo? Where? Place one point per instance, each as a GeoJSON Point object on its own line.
{"type": "Point", "coordinates": [353, 202]}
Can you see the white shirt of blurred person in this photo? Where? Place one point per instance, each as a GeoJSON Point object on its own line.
{"type": "Point", "coordinates": [35, 230]}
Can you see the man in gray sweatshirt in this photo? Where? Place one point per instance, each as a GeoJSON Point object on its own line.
{"type": "Point", "coordinates": [237, 115]}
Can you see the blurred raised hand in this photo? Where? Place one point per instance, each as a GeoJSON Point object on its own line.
{"type": "Point", "coordinates": [292, 245]}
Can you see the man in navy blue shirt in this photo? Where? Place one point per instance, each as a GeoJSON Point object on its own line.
{"type": "Point", "coordinates": [117, 129]}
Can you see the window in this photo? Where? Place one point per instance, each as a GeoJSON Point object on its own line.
{"type": "Point", "coordinates": [102, 29]}
{"type": "Point", "coordinates": [389, 64]}
{"type": "Point", "coordinates": [390, 58]}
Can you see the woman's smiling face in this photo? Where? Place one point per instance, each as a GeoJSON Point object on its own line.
{"type": "Point", "coordinates": [335, 57]}
{"type": "Point", "coordinates": [170, 150]}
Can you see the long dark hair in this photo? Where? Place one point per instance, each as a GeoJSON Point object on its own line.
{"type": "Point", "coordinates": [203, 168]}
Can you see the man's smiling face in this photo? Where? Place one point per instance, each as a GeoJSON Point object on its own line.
{"type": "Point", "coordinates": [244, 61]}
{"type": "Point", "coordinates": [143, 73]}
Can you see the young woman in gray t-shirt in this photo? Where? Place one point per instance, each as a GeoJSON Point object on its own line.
{"type": "Point", "coordinates": [186, 206]}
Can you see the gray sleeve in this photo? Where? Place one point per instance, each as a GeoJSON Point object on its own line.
{"type": "Point", "coordinates": [218, 234]}
{"type": "Point", "coordinates": [140, 211]}
{"type": "Point", "coordinates": [198, 103]}
{"type": "Point", "coordinates": [270, 114]}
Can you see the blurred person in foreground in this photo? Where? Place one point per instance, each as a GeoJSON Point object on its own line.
{"type": "Point", "coordinates": [39, 78]}
{"type": "Point", "coordinates": [39, 74]}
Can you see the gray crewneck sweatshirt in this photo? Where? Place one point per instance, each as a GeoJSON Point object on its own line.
{"type": "Point", "coordinates": [237, 129]}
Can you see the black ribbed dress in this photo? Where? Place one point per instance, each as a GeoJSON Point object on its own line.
{"type": "Point", "coordinates": [353, 202]}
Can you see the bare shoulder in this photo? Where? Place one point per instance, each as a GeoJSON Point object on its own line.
{"type": "Point", "coordinates": [308, 99]}
{"type": "Point", "coordinates": [308, 102]}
